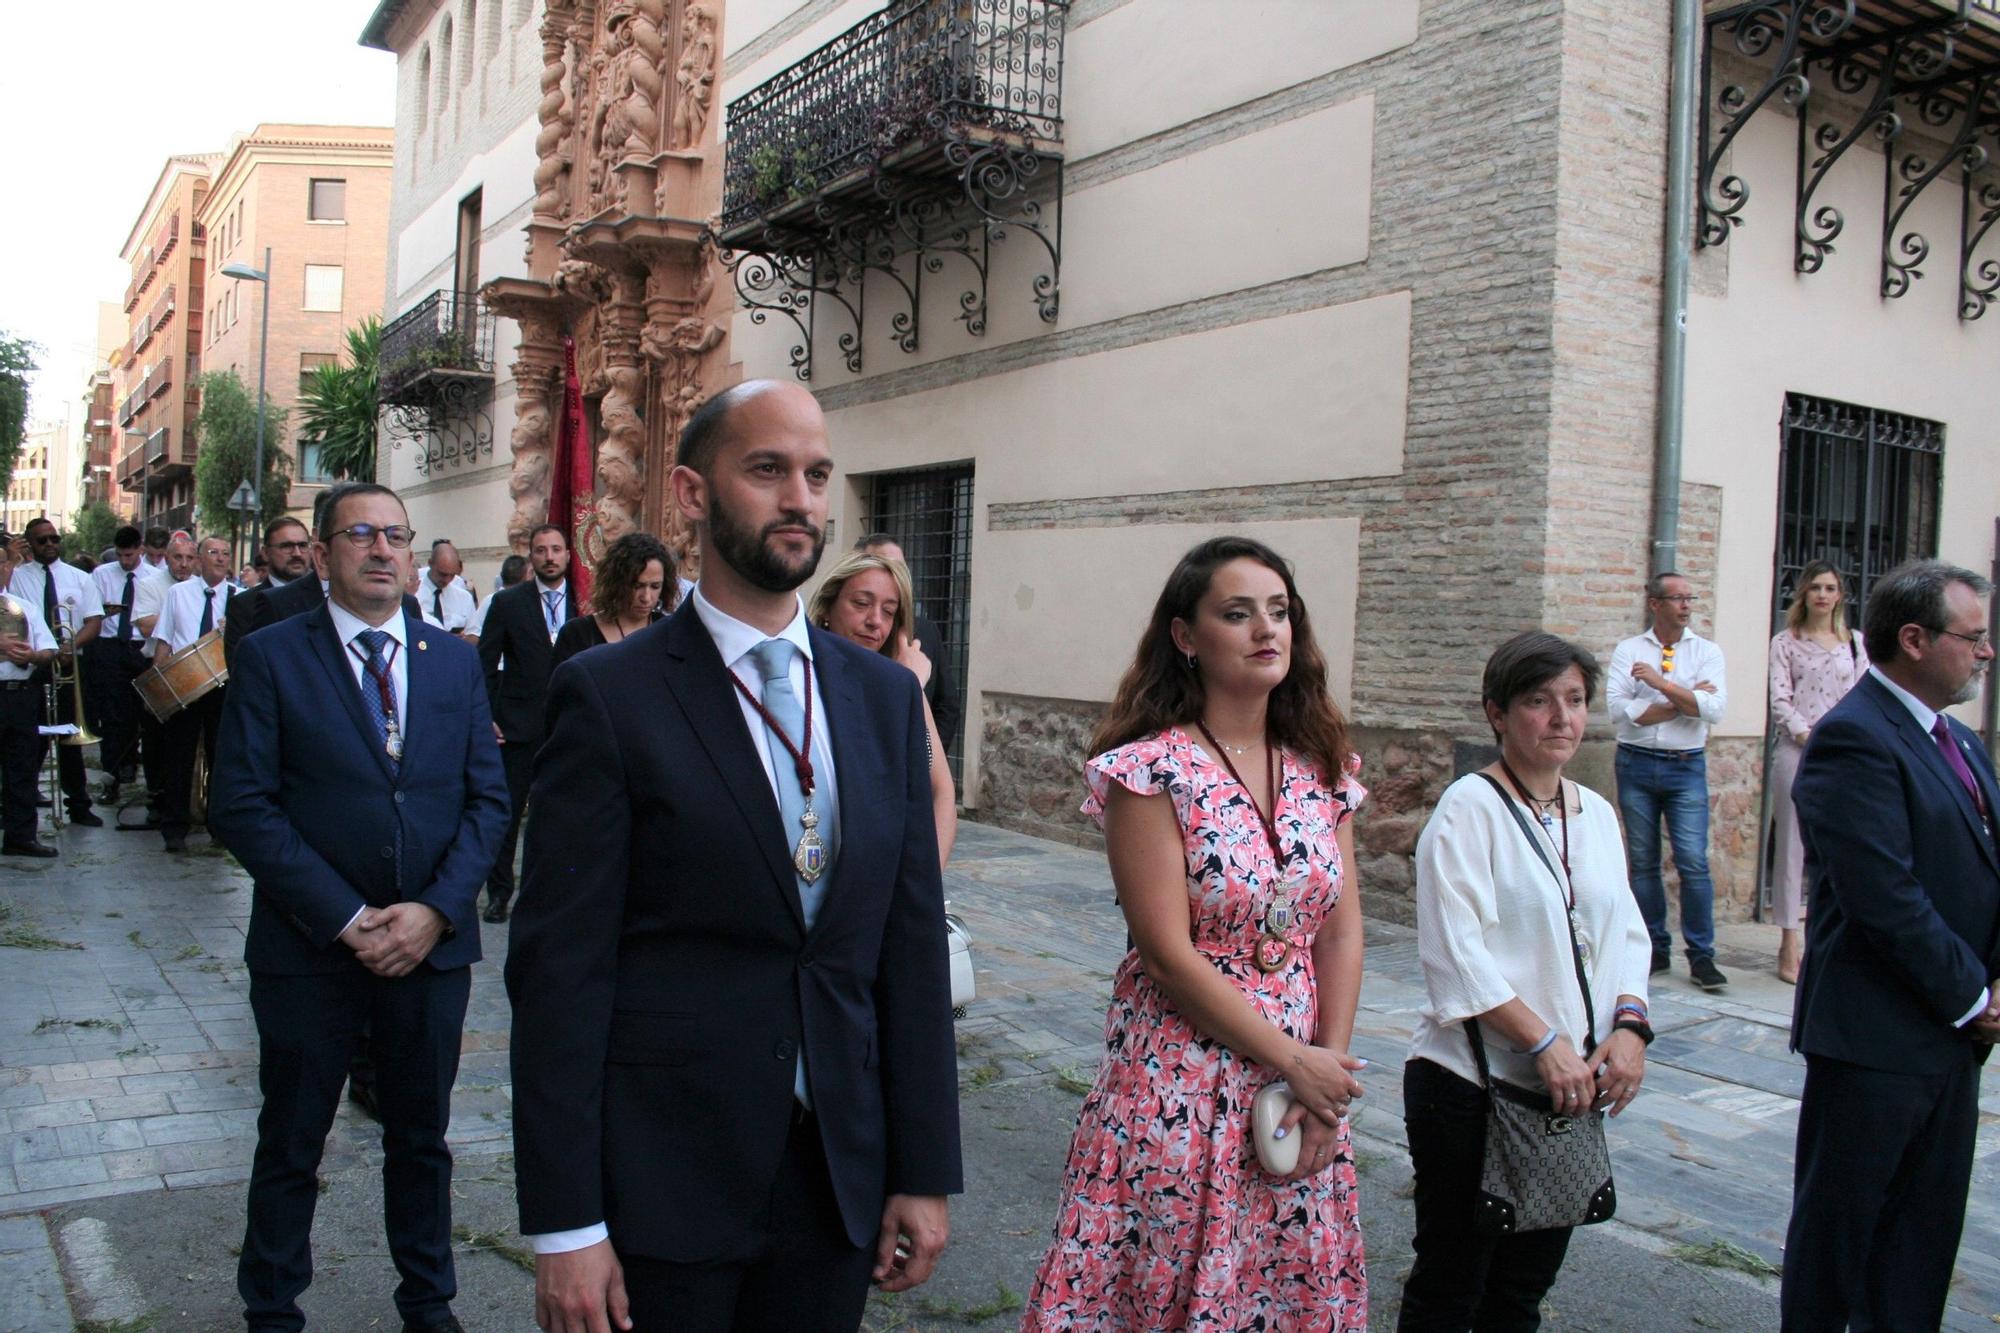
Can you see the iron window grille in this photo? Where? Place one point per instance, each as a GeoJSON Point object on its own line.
{"type": "Point", "coordinates": [929, 513]}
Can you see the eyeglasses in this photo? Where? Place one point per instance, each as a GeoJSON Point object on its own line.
{"type": "Point", "coordinates": [363, 535]}
{"type": "Point", "coordinates": [1684, 598]}
{"type": "Point", "coordinates": [1980, 640]}
{"type": "Point", "coordinates": [300, 546]}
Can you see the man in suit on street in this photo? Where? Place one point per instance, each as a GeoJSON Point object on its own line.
{"type": "Point", "coordinates": [520, 633]}
{"type": "Point", "coordinates": [735, 1098]}
{"type": "Point", "coordinates": [288, 557]}
{"type": "Point", "coordinates": [363, 792]}
{"type": "Point", "coordinates": [1896, 1008]}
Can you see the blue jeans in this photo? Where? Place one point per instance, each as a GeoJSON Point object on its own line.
{"type": "Point", "coordinates": [1649, 787]}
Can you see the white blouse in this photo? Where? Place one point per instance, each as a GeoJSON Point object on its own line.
{"type": "Point", "coordinates": [1492, 925]}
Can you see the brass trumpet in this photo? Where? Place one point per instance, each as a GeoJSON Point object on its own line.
{"type": "Point", "coordinates": [73, 677]}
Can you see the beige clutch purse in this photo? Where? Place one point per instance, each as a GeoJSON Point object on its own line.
{"type": "Point", "coordinates": [1279, 1156]}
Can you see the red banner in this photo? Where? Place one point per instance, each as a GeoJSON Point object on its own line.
{"type": "Point", "coordinates": [570, 499]}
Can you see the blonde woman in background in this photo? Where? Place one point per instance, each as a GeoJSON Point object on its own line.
{"type": "Point", "coordinates": [867, 598]}
{"type": "Point", "coordinates": [1815, 660]}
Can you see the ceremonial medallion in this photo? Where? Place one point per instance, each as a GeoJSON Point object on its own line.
{"type": "Point", "coordinates": [809, 857]}
{"type": "Point", "coordinates": [392, 740]}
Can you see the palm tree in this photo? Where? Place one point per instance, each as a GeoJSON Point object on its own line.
{"type": "Point", "coordinates": [337, 405]}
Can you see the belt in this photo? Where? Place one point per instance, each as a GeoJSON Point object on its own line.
{"type": "Point", "coordinates": [18, 685]}
{"type": "Point", "coordinates": [1677, 756]}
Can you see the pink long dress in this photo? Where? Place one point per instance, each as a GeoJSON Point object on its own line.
{"type": "Point", "coordinates": [1807, 680]}
{"type": "Point", "coordinates": [1167, 1220]}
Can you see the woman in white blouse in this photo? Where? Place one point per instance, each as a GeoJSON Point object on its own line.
{"type": "Point", "coordinates": [1494, 932]}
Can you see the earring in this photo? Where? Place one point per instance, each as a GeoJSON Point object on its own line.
{"type": "Point", "coordinates": [1190, 661]}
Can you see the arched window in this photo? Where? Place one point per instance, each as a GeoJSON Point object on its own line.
{"type": "Point", "coordinates": [444, 65]}
{"type": "Point", "coordinates": [424, 89]}
{"type": "Point", "coordinates": [469, 20]}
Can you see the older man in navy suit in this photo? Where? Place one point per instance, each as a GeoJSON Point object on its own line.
{"type": "Point", "coordinates": [1896, 1009]}
{"type": "Point", "coordinates": [734, 1081]}
{"type": "Point", "coordinates": [364, 793]}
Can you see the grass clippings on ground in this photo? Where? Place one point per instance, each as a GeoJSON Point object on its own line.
{"type": "Point", "coordinates": [1724, 1254]}
{"type": "Point", "coordinates": [518, 1255]}
{"type": "Point", "coordinates": [25, 934]}
{"type": "Point", "coordinates": [97, 1024]}
{"type": "Point", "coordinates": [1070, 1078]}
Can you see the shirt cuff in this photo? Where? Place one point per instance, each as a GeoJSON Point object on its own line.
{"type": "Point", "coordinates": [562, 1242]}
{"type": "Point", "coordinates": [1978, 1007]}
{"type": "Point", "coordinates": [364, 907]}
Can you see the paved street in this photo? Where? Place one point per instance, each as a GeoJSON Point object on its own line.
{"type": "Point", "coordinates": [128, 1086]}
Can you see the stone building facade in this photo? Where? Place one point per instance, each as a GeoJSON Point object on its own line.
{"type": "Point", "coordinates": [317, 198]}
{"type": "Point", "coordinates": [1379, 283]}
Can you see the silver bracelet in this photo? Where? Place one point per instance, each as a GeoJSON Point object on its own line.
{"type": "Point", "coordinates": [1548, 1040]}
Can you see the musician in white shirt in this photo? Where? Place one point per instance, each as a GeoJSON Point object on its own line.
{"type": "Point", "coordinates": [193, 609]}
{"type": "Point", "coordinates": [20, 719]}
{"type": "Point", "coordinates": [118, 655]}
{"type": "Point", "coordinates": [446, 597]}
{"type": "Point", "coordinates": [62, 595]}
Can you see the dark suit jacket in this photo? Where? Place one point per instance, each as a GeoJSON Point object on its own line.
{"type": "Point", "coordinates": [1904, 913]}
{"type": "Point", "coordinates": [517, 630]}
{"type": "Point", "coordinates": [311, 806]}
{"type": "Point", "coordinates": [941, 689]}
{"type": "Point", "coordinates": [662, 975]}
{"type": "Point", "coordinates": [264, 605]}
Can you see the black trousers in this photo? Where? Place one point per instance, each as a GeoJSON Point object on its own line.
{"type": "Point", "coordinates": [69, 758]}
{"type": "Point", "coordinates": [519, 760]}
{"type": "Point", "coordinates": [192, 729]}
{"type": "Point", "coordinates": [1878, 1201]}
{"type": "Point", "coordinates": [306, 1028]}
{"type": "Point", "coordinates": [20, 759]}
{"type": "Point", "coordinates": [1463, 1279]}
{"type": "Point", "coordinates": [806, 1276]}
{"type": "Point", "coordinates": [113, 666]}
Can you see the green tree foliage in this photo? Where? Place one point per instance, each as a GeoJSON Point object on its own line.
{"type": "Point", "coordinates": [225, 438]}
{"type": "Point", "coordinates": [337, 405]}
{"type": "Point", "coordinates": [91, 530]}
{"type": "Point", "coordinates": [17, 363]}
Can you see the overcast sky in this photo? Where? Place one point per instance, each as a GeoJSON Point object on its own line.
{"type": "Point", "coordinates": [104, 93]}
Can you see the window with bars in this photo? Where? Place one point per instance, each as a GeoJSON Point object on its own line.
{"type": "Point", "coordinates": [929, 513]}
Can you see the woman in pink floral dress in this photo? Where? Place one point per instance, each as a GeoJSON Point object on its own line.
{"type": "Point", "coordinates": [1223, 783]}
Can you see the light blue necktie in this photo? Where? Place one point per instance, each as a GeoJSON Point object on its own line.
{"type": "Point", "coordinates": [774, 662]}
{"type": "Point", "coordinates": [552, 599]}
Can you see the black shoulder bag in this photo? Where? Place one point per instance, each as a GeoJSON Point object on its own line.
{"type": "Point", "coordinates": [1542, 1170]}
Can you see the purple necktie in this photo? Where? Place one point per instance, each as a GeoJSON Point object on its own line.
{"type": "Point", "coordinates": [1942, 731]}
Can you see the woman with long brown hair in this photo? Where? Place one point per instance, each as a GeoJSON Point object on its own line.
{"type": "Point", "coordinates": [1224, 784]}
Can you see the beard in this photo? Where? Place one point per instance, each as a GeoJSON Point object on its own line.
{"type": "Point", "coordinates": [750, 555]}
{"type": "Point", "coordinates": [1969, 691]}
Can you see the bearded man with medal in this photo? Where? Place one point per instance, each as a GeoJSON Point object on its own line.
{"type": "Point", "coordinates": [361, 787]}
{"type": "Point", "coordinates": [735, 1085]}
{"type": "Point", "coordinates": [1225, 784]}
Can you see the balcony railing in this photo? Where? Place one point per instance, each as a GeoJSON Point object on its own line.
{"type": "Point", "coordinates": [900, 80]}
{"type": "Point", "coordinates": [162, 376]}
{"type": "Point", "coordinates": [156, 445]}
{"type": "Point", "coordinates": [131, 463]}
{"type": "Point", "coordinates": [436, 350]}
{"type": "Point", "coordinates": [163, 309]}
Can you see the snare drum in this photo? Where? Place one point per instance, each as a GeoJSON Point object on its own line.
{"type": "Point", "coordinates": [186, 676]}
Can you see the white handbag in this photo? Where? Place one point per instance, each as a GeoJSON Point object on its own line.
{"type": "Point", "coordinates": [959, 941]}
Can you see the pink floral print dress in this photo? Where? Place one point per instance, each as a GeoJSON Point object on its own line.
{"type": "Point", "coordinates": [1167, 1220]}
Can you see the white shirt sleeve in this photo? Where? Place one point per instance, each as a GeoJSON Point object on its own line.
{"type": "Point", "coordinates": [1710, 707]}
{"type": "Point", "coordinates": [562, 1242]}
{"type": "Point", "coordinates": [1625, 699]}
{"type": "Point", "coordinates": [1985, 998]}
{"type": "Point", "coordinates": [1455, 910]}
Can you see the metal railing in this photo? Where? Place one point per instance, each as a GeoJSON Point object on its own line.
{"type": "Point", "coordinates": [447, 335]}
{"type": "Point", "coordinates": [901, 78]}
{"type": "Point", "coordinates": [156, 445]}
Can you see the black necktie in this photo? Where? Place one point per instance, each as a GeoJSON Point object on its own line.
{"type": "Point", "coordinates": [208, 610]}
{"type": "Point", "coordinates": [125, 609]}
{"type": "Point", "coordinates": [49, 596]}
{"type": "Point", "coordinates": [437, 603]}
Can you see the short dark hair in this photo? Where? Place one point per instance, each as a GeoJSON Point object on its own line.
{"type": "Point", "coordinates": [702, 437]}
{"type": "Point", "coordinates": [1529, 661]}
{"type": "Point", "coordinates": [332, 497]}
{"type": "Point", "coordinates": [1913, 593]}
{"type": "Point", "coordinates": [879, 539]}
{"type": "Point", "coordinates": [158, 537]}
{"type": "Point", "coordinates": [125, 538]}
{"type": "Point", "coordinates": [549, 527]}
{"type": "Point", "coordinates": [618, 573]}
{"type": "Point", "coordinates": [278, 525]}
{"type": "Point", "coordinates": [442, 541]}
{"type": "Point", "coordinates": [43, 522]}
{"type": "Point", "coordinates": [1656, 586]}
{"type": "Point", "coordinates": [513, 570]}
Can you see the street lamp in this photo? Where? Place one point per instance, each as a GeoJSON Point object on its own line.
{"type": "Point", "coordinates": [263, 275]}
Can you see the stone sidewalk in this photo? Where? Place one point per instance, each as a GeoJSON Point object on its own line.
{"type": "Point", "coordinates": [128, 1090]}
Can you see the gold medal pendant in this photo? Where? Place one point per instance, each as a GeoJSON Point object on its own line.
{"type": "Point", "coordinates": [809, 857]}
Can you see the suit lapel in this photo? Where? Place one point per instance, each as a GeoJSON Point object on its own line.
{"type": "Point", "coordinates": [1931, 758]}
{"type": "Point", "coordinates": [701, 686]}
{"type": "Point", "coordinates": [328, 649]}
{"type": "Point", "coordinates": [845, 717]}
{"type": "Point", "coordinates": [417, 683]}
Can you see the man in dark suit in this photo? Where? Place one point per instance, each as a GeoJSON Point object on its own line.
{"type": "Point", "coordinates": [734, 1091]}
{"type": "Point", "coordinates": [942, 688]}
{"type": "Point", "coordinates": [364, 794]}
{"type": "Point", "coordinates": [288, 558]}
{"type": "Point", "coordinates": [1896, 1009]}
{"type": "Point", "coordinates": [520, 634]}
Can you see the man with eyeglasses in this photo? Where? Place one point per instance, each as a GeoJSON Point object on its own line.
{"type": "Point", "coordinates": [64, 596]}
{"type": "Point", "coordinates": [194, 609]}
{"type": "Point", "coordinates": [1897, 1009]}
{"type": "Point", "coordinates": [288, 559]}
{"type": "Point", "coordinates": [367, 838]}
{"type": "Point", "coordinates": [1666, 688]}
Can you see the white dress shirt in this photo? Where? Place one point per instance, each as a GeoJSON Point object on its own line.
{"type": "Point", "coordinates": [76, 596]}
{"type": "Point", "coordinates": [150, 598]}
{"type": "Point", "coordinates": [39, 640]}
{"type": "Point", "coordinates": [734, 640]}
{"type": "Point", "coordinates": [542, 591]}
{"type": "Point", "coordinates": [477, 624]}
{"type": "Point", "coordinates": [180, 616]}
{"type": "Point", "coordinates": [109, 579]}
{"type": "Point", "coordinates": [1926, 717]}
{"type": "Point", "coordinates": [449, 607]}
{"type": "Point", "coordinates": [1695, 660]}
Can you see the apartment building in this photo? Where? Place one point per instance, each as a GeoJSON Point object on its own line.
{"type": "Point", "coordinates": [102, 441]}
{"type": "Point", "coordinates": [45, 480]}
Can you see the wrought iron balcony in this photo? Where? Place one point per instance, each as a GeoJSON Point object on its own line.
{"type": "Point", "coordinates": [436, 350]}
{"type": "Point", "coordinates": [1886, 72]}
{"type": "Point", "coordinates": [930, 128]}
{"type": "Point", "coordinates": [157, 444]}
